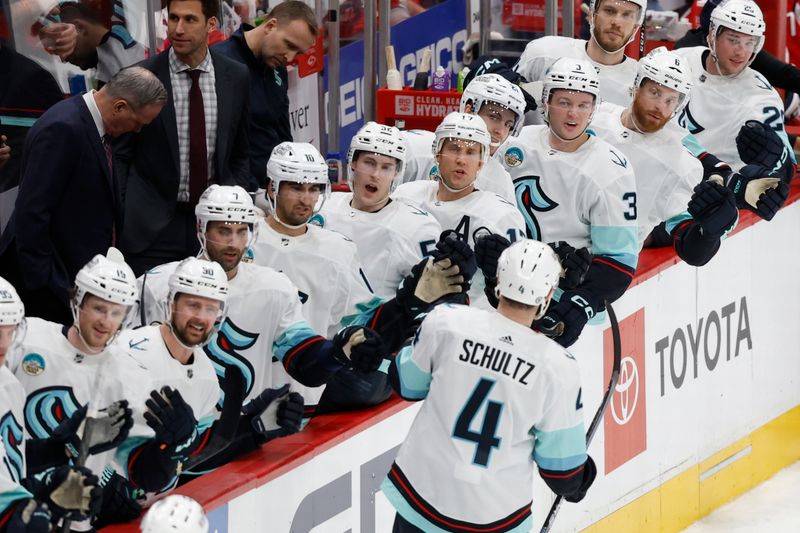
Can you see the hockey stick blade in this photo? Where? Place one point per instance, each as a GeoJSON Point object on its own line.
{"type": "Point", "coordinates": [598, 416]}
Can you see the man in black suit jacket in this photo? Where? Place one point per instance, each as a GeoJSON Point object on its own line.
{"type": "Point", "coordinates": [69, 207]}
{"type": "Point", "coordinates": [157, 164]}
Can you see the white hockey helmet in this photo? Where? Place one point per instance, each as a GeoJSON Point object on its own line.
{"type": "Point", "coordinates": [573, 75]}
{"type": "Point", "coordinates": [743, 16]}
{"type": "Point", "coordinates": [107, 277]}
{"type": "Point", "coordinates": [175, 514]}
{"type": "Point", "coordinates": [377, 139]}
{"type": "Point", "coordinates": [224, 203]}
{"type": "Point", "coordinates": [199, 277]}
{"type": "Point", "coordinates": [12, 310]}
{"type": "Point", "coordinates": [528, 271]}
{"type": "Point", "coordinates": [463, 126]}
{"type": "Point", "coordinates": [495, 89]}
{"type": "Point", "coordinates": [299, 163]}
{"type": "Point", "coordinates": [668, 69]}
{"type": "Point", "coordinates": [594, 4]}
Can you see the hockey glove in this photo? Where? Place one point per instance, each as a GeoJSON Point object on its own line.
{"type": "Point", "coordinates": [428, 281]}
{"type": "Point", "coordinates": [71, 492]}
{"type": "Point", "coordinates": [487, 252]}
{"type": "Point", "coordinates": [33, 517]}
{"type": "Point", "coordinates": [575, 264]}
{"type": "Point", "coordinates": [275, 412]}
{"type": "Point", "coordinates": [757, 190]}
{"type": "Point", "coordinates": [173, 422]}
{"type": "Point", "coordinates": [360, 347]}
{"type": "Point", "coordinates": [122, 502]}
{"type": "Point", "coordinates": [713, 206]}
{"type": "Point", "coordinates": [459, 253]}
{"type": "Point", "coordinates": [758, 144]}
{"type": "Point", "coordinates": [566, 318]}
{"type": "Point", "coordinates": [105, 432]}
{"type": "Point", "coordinates": [589, 475]}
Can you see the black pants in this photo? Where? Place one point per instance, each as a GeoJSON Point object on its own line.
{"type": "Point", "coordinates": [177, 241]}
{"type": "Point", "coordinates": [401, 525]}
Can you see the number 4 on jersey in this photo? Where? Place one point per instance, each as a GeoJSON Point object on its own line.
{"type": "Point", "coordinates": [485, 438]}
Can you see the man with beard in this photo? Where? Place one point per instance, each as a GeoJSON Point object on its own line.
{"type": "Point", "coordinates": [574, 187]}
{"type": "Point", "coordinates": [612, 25]}
{"type": "Point", "coordinates": [668, 178]}
{"type": "Point", "coordinates": [325, 267]}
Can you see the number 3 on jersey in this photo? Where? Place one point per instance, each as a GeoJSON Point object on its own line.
{"type": "Point", "coordinates": [485, 438]}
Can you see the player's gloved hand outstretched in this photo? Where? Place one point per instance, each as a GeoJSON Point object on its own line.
{"type": "Point", "coordinates": [71, 492]}
{"type": "Point", "coordinates": [575, 264]}
{"type": "Point", "coordinates": [487, 252]}
{"type": "Point", "coordinates": [757, 188]}
{"type": "Point", "coordinates": [360, 347]}
{"type": "Point", "coordinates": [566, 318]}
{"type": "Point", "coordinates": [122, 501]}
{"type": "Point", "coordinates": [459, 253]}
{"type": "Point", "coordinates": [713, 206]}
{"type": "Point", "coordinates": [759, 144]}
{"type": "Point", "coordinates": [172, 420]}
{"type": "Point", "coordinates": [275, 412]}
{"type": "Point", "coordinates": [106, 431]}
{"type": "Point", "coordinates": [30, 517]}
{"type": "Point", "coordinates": [429, 280]}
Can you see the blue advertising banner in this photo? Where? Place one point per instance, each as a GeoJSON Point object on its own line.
{"type": "Point", "coordinates": [442, 28]}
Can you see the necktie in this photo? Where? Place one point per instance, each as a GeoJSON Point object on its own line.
{"type": "Point", "coordinates": [109, 159]}
{"type": "Point", "coordinates": [198, 155]}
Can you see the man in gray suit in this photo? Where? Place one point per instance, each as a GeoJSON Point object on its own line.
{"type": "Point", "coordinates": [200, 138]}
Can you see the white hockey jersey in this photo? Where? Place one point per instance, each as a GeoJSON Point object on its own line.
{"type": "Point", "coordinates": [263, 321]}
{"type": "Point", "coordinates": [498, 398]}
{"type": "Point", "coordinates": [477, 213]}
{"type": "Point", "coordinates": [420, 165]}
{"type": "Point", "coordinates": [58, 380]}
{"type": "Point", "coordinates": [390, 242]}
{"type": "Point", "coordinates": [196, 381]}
{"type": "Point", "coordinates": [720, 106]}
{"type": "Point", "coordinates": [666, 173]}
{"type": "Point", "coordinates": [541, 53]}
{"type": "Point", "coordinates": [325, 267]}
{"type": "Point", "coordinates": [12, 433]}
{"type": "Point", "coordinates": [586, 197]}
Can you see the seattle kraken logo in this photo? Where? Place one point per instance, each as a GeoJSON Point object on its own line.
{"type": "Point", "coordinates": [531, 198]}
{"type": "Point", "coordinates": [46, 408]}
{"type": "Point", "coordinates": [222, 350]}
{"type": "Point", "coordinates": [11, 433]}
{"type": "Point", "coordinates": [687, 121]}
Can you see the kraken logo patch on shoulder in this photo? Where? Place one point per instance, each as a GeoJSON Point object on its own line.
{"type": "Point", "coordinates": [33, 364]}
{"type": "Point", "coordinates": [513, 157]}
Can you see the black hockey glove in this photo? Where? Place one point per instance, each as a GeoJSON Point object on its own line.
{"type": "Point", "coordinates": [713, 206]}
{"type": "Point", "coordinates": [757, 189]}
{"type": "Point", "coordinates": [105, 432]}
{"type": "Point", "coordinates": [575, 264]}
{"type": "Point", "coordinates": [429, 280]}
{"type": "Point", "coordinates": [566, 318]}
{"type": "Point", "coordinates": [589, 475]}
{"type": "Point", "coordinates": [492, 65]}
{"type": "Point", "coordinates": [173, 422]}
{"type": "Point", "coordinates": [360, 347]}
{"type": "Point", "coordinates": [460, 254]}
{"type": "Point", "coordinates": [758, 144]}
{"type": "Point", "coordinates": [71, 492]}
{"type": "Point", "coordinates": [32, 517]}
{"type": "Point", "coordinates": [122, 502]}
{"type": "Point", "coordinates": [275, 412]}
{"type": "Point", "coordinates": [487, 252]}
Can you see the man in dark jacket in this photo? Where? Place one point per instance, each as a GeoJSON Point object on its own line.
{"type": "Point", "coordinates": [289, 29]}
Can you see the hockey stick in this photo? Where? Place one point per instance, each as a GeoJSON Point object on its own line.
{"type": "Point", "coordinates": [642, 36]}
{"type": "Point", "coordinates": [598, 416]}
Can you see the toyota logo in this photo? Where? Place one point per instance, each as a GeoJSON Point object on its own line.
{"type": "Point", "coordinates": [626, 393]}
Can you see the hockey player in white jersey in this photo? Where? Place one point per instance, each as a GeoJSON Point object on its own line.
{"type": "Point", "coordinates": [391, 236]}
{"type": "Point", "coordinates": [727, 93]}
{"type": "Point", "coordinates": [461, 149]}
{"type": "Point", "coordinates": [612, 25]}
{"type": "Point", "coordinates": [20, 509]}
{"type": "Point", "coordinates": [668, 177]}
{"type": "Point", "coordinates": [325, 267]}
{"type": "Point", "coordinates": [501, 105]}
{"type": "Point", "coordinates": [573, 187]}
{"type": "Point", "coordinates": [463, 359]}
